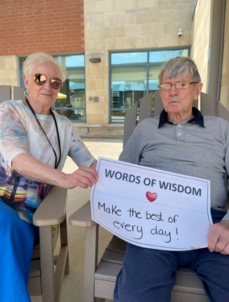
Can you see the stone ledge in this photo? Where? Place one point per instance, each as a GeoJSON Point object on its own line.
{"type": "Point", "coordinates": [100, 130]}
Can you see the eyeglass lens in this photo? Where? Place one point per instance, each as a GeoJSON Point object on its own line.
{"type": "Point", "coordinates": [41, 79]}
{"type": "Point", "coordinates": [178, 85]}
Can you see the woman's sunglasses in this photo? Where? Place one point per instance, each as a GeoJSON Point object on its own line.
{"type": "Point", "coordinates": [41, 79]}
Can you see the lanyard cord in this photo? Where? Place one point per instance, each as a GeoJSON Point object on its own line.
{"type": "Point", "coordinates": [57, 131]}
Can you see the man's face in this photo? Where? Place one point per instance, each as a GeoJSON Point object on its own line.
{"type": "Point", "coordinates": [179, 101]}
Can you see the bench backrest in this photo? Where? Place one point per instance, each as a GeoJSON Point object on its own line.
{"type": "Point", "coordinates": [7, 93]}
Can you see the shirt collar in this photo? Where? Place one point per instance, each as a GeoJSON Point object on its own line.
{"type": "Point", "coordinates": [198, 118]}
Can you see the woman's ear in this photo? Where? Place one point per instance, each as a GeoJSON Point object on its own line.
{"type": "Point", "coordinates": [26, 80]}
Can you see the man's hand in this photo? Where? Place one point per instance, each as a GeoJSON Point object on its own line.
{"type": "Point", "coordinates": [218, 237]}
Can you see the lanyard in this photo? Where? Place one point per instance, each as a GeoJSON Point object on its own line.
{"type": "Point", "coordinates": [57, 131]}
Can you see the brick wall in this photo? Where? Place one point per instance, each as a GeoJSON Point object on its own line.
{"type": "Point", "coordinates": [52, 26]}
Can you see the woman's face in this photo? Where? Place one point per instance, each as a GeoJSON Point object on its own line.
{"type": "Point", "coordinates": [42, 97]}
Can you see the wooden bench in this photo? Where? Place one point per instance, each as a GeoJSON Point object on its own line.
{"type": "Point", "coordinates": [8, 93]}
{"type": "Point", "coordinates": [99, 278]}
{"type": "Point", "coordinates": [47, 267]}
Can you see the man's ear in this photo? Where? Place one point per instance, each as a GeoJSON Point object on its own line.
{"type": "Point", "coordinates": [198, 88]}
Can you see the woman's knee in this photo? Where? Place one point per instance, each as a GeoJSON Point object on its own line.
{"type": "Point", "coordinates": [12, 227]}
{"type": "Point", "coordinates": [8, 216]}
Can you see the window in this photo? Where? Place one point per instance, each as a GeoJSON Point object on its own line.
{"type": "Point", "coordinates": [71, 100]}
{"type": "Point", "coordinates": [134, 75]}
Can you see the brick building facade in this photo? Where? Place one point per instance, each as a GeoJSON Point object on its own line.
{"type": "Point", "coordinates": [51, 26]}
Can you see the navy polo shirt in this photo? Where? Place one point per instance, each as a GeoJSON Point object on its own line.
{"type": "Point", "coordinates": [198, 118]}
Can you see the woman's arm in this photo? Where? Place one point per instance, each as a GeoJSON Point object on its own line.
{"type": "Point", "coordinates": [30, 167]}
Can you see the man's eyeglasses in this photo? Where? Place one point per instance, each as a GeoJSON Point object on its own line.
{"type": "Point", "coordinates": [41, 79]}
{"type": "Point", "coordinates": [178, 85]}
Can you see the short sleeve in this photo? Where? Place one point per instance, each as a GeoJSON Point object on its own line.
{"type": "Point", "coordinates": [13, 135]}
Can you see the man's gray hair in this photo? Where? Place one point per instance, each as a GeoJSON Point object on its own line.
{"type": "Point", "coordinates": [39, 58]}
{"type": "Point", "coordinates": [180, 65]}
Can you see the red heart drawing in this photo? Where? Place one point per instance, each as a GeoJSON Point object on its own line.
{"type": "Point", "coordinates": [151, 196]}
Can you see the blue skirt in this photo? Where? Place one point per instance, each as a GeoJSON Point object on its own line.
{"type": "Point", "coordinates": [16, 247]}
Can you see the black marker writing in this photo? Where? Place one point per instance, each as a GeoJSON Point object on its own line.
{"type": "Point", "coordinates": [161, 232]}
{"type": "Point", "coordinates": [112, 210]}
{"type": "Point", "coordinates": [129, 228]}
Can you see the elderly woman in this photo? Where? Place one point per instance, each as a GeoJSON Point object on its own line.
{"type": "Point", "coordinates": [34, 144]}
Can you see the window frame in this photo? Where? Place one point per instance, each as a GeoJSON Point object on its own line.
{"type": "Point", "coordinates": [147, 64]}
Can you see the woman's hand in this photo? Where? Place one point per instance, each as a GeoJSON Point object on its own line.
{"type": "Point", "coordinates": [83, 177]}
{"type": "Point", "coordinates": [36, 170]}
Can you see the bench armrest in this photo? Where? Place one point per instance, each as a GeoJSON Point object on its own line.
{"type": "Point", "coordinates": [52, 210]}
{"type": "Point", "coordinates": [82, 217]}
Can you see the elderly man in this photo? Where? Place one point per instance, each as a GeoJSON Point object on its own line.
{"type": "Point", "coordinates": [182, 141]}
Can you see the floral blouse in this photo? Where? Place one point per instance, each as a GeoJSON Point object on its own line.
{"type": "Point", "coordinates": [21, 133]}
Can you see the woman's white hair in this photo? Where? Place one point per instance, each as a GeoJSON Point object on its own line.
{"type": "Point", "coordinates": [38, 58]}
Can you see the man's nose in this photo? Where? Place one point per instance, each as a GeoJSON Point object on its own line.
{"type": "Point", "coordinates": [173, 89]}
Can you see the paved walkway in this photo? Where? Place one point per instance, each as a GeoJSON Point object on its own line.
{"type": "Point", "coordinates": [73, 283]}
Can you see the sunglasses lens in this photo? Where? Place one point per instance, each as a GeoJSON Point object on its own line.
{"type": "Point", "coordinates": [55, 83]}
{"type": "Point", "coordinates": [40, 79]}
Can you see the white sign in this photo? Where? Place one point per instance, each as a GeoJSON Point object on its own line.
{"type": "Point", "coordinates": [151, 208]}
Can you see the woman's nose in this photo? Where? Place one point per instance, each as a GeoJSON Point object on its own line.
{"type": "Point", "coordinates": [47, 85]}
